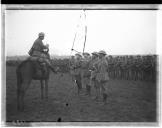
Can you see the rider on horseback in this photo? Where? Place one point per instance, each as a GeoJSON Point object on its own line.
{"type": "Point", "coordinates": [40, 51]}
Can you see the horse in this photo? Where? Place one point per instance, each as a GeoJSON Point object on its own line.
{"type": "Point", "coordinates": [27, 71]}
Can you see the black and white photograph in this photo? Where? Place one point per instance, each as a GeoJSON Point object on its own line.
{"type": "Point", "coordinates": [80, 65]}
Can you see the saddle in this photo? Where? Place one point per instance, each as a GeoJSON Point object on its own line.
{"type": "Point", "coordinates": [39, 64]}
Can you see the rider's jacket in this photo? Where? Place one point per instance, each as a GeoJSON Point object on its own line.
{"type": "Point", "coordinates": [38, 48]}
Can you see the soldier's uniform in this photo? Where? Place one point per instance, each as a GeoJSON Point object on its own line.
{"type": "Point", "coordinates": [39, 51]}
{"type": "Point", "coordinates": [154, 64]}
{"type": "Point", "coordinates": [93, 69]}
{"type": "Point", "coordinates": [85, 73]}
{"type": "Point", "coordinates": [130, 67]}
{"type": "Point", "coordinates": [124, 67]}
{"type": "Point", "coordinates": [116, 67]}
{"type": "Point", "coordinates": [110, 66]}
{"type": "Point", "coordinates": [138, 64]}
{"type": "Point", "coordinates": [147, 67]}
{"type": "Point", "coordinates": [102, 76]}
{"type": "Point", "coordinates": [38, 48]}
{"type": "Point", "coordinates": [77, 71]}
{"type": "Point", "coordinates": [71, 66]}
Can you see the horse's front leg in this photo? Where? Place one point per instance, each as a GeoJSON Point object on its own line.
{"type": "Point", "coordinates": [42, 89]}
{"type": "Point", "coordinates": [46, 88]}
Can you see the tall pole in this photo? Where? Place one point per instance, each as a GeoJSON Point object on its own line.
{"type": "Point", "coordinates": [72, 49]}
{"type": "Point", "coordinates": [85, 32]}
{"type": "Point", "coordinates": [85, 38]}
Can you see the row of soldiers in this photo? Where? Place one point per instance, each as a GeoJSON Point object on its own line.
{"type": "Point", "coordinates": [96, 70]}
{"type": "Point", "coordinates": [133, 67]}
{"type": "Point", "coordinates": [91, 71]}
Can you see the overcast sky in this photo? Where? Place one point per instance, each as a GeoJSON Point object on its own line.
{"type": "Point", "coordinates": [115, 31]}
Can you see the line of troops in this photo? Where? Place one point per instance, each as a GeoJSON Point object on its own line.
{"type": "Point", "coordinates": [91, 71]}
{"type": "Point", "coordinates": [96, 70]}
{"type": "Point", "coordinates": [133, 67]}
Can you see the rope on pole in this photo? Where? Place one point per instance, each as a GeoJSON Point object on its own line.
{"type": "Point", "coordinates": [73, 43]}
{"type": "Point", "coordinates": [85, 32]}
{"type": "Point", "coordinates": [85, 38]}
{"type": "Point", "coordinates": [72, 49]}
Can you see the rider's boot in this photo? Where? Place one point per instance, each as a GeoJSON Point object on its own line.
{"type": "Point", "coordinates": [50, 65]}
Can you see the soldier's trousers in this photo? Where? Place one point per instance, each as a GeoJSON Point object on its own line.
{"type": "Point", "coordinates": [78, 82]}
{"type": "Point", "coordinates": [101, 87]}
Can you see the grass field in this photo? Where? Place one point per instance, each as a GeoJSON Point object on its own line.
{"type": "Point", "coordinates": [128, 101]}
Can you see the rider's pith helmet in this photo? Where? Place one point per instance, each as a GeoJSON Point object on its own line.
{"type": "Point", "coordinates": [41, 34]}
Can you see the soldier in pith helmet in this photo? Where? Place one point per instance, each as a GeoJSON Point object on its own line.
{"type": "Point", "coordinates": [102, 76]}
{"type": "Point", "coordinates": [85, 73]}
{"type": "Point", "coordinates": [93, 69]}
{"type": "Point", "coordinates": [77, 71]}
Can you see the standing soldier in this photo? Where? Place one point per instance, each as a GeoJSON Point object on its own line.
{"type": "Point", "coordinates": [110, 66]}
{"type": "Point", "coordinates": [122, 67]}
{"type": "Point", "coordinates": [117, 67]}
{"type": "Point", "coordinates": [85, 73]}
{"type": "Point", "coordinates": [71, 67]}
{"type": "Point", "coordinates": [126, 67]}
{"type": "Point", "coordinates": [93, 69]}
{"type": "Point", "coordinates": [139, 67]}
{"type": "Point", "coordinates": [77, 71]}
{"type": "Point", "coordinates": [130, 67]}
{"type": "Point", "coordinates": [102, 74]}
{"type": "Point", "coordinates": [154, 64]}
